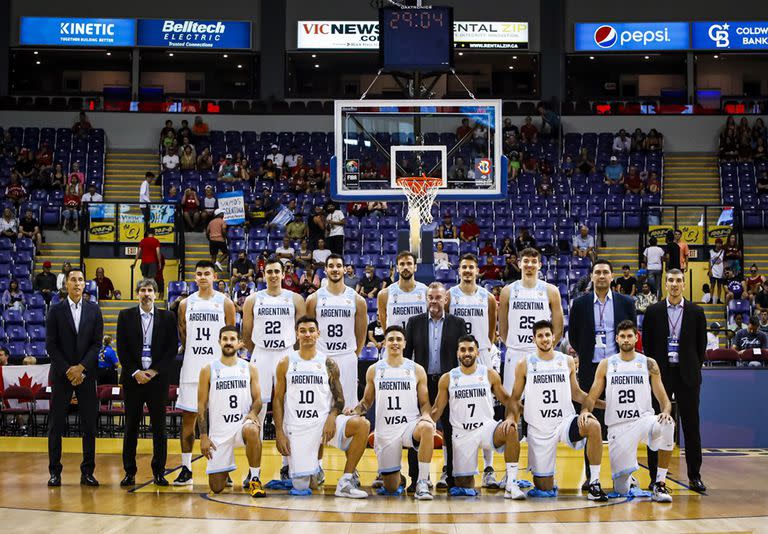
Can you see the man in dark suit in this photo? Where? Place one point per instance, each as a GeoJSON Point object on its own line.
{"type": "Point", "coordinates": [74, 328]}
{"type": "Point", "coordinates": [675, 335]}
{"type": "Point", "coordinates": [432, 341]}
{"type": "Point", "coordinates": [147, 343]}
{"type": "Point", "coordinates": [592, 329]}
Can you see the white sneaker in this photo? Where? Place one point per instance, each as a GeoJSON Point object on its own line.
{"type": "Point", "coordinates": [320, 476]}
{"type": "Point", "coordinates": [489, 480]}
{"type": "Point", "coordinates": [660, 493]}
{"type": "Point", "coordinates": [513, 491]}
{"type": "Point", "coordinates": [346, 488]}
{"type": "Point", "coordinates": [443, 482]}
{"type": "Point", "coordinates": [422, 491]}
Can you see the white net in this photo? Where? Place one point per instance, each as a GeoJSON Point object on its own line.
{"type": "Point", "coordinates": [420, 192]}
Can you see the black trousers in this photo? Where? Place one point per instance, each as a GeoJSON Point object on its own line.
{"type": "Point", "coordinates": [585, 379]}
{"type": "Point", "coordinates": [88, 408]}
{"type": "Point", "coordinates": [687, 399]}
{"type": "Point", "coordinates": [335, 244]}
{"type": "Point", "coordinates": [155, 394]}
{"type": "Point", "coordinates": [445, 425]}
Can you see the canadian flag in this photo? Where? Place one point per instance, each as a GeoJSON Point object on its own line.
{"type": "Point", "coordinates": [33, 377]}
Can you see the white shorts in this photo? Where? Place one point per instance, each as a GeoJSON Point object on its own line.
{"type": "Point", "coordinates": [223, 460]}
{"type": "Point", "coordinates": [542, 446]}
{"type": "Point", "coordinates": [389, 447]}
{"type": "Point", "coordinates": [266, 362]}
{"type": "Point", "coordinates": [511, 358]}
{"type": "Point", "coordinates": [466, 444]}
{"type": "Point", "coordinates": [305, 443]}
{"type": "Point", "coordinates": [624, 438]}
{"type": "Point", "coordinates": [187, 399]}
{"type": "Point", "coordinates": [484, 357]}
{"type": "Point", "coordinates": [348, 375]}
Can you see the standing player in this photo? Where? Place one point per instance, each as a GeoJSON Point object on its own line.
{"type": "Point", "coordinates": [401, 301]}
{"type": "Point", "coordinates": [628, 379]}
{"type": "Point", "coordinates": [269, 332]}
{"type": "Point", "coordinates": [477, 307]}
{"type": "Point", "coordinates": [469, 390]}
{"type": "Point", "coordinates": [523, 303]}
{"type": "Point", "coordinates": [228, 404]}
{"type": "Point", "coordinates": [399, 388]}
{"type": "Point", "coordinates": [307, 413]}
{"type": "Point", "coordinates": [201, 316]}
{"type": "Point", "coordinates": [548, 379]}
{"type": "Point", "coordinates": [342, 317]}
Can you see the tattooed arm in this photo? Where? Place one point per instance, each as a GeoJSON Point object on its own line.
{"type": "Point", "coordinates": [329, 429]}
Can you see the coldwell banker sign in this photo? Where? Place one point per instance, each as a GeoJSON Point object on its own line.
{"type": "Point", "coordinates": [185, 33]}
{"type": "Point", "coordinates": [631, 36]}
{"type": "Point", "coordinates": [728, 35]}
{"type": "Point", "coordinates": [57, 31]}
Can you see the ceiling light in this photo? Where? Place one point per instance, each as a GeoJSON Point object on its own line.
{"type": "Point", "coordinates": [35, 52]}
{"type": "Point", "coordinates": [511, 67]}
{"type": "Point", "coordinates": [461, 53]}
{"type": "Point", "coordinates": [317, 66]}
{"type": "Point", "coordinates": [37, 62]}
{"type": "Point", "coordinates": [239, 66]}
{"type": "Point", "coordinates": [170, 54]}
{"type": "Point", "coordinates": [109, 53]}
{"type": "Point", "coordinates": [314, 55]}
{"type": "Point", "coordinates": [715, 56]}
{"type": "Point", "coordinates": [647, 57]}
{"type": "Point", "coordinates": [591, 57]}
{"type": "Point", "coordinates": [226, 56]}
{"type": "Point", "coordinates": [514, 57]}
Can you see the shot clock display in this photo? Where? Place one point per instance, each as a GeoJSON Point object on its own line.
{"type": "Point", "coordinates": [416, 39]}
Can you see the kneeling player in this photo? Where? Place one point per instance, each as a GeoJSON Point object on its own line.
{"type": "Point", "coordinates": [469, 390]}
{"type": "Point", "coordinates": [399, 387]}
{"type": "Point", "coordinates": [228, 404]}
{"type": "Point", "coordinates": [628, 379]}
{"type": "Point", "coordinates": [306, 410]}
{"type": "Point", "coordinates": [548, 379]}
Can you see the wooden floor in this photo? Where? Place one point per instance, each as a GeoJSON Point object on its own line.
{"type": "Point", "coordinates": [737, 500]}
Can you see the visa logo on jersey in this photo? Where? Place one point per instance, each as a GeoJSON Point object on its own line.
{"type": "Point", "coordinates": [619, 37]}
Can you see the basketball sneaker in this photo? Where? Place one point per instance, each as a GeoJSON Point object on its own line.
{"type": "Point", "coordinates": [660, 492]}
{"type": "Point", "coordinates": [489, 480]}
{"type": "Point", "coordinates": [596, 493]}
{"type": "Point", "coordinates": [346, 488]}
{"type": "Point", "coordinates": [443, 482]}
{"type": "Point", "coordinates": [247, 481]}
{"type": "Point", "coordinates": [184, 478]}
{"type": "Point", "coordinates": [513, 491]}
{"type": "Point", "coordinates": [229, 482]}
{"type": "Point", "coordinates": [284, 474]}
{"type": "Point", "coordinates": [320, 476]}
{"type": "Point", "coordinates": [378, 482]}
{"type": "Point", "coordinates": [422, 491]}
{"type": "Point", "coordinates": [356, 479]}
{"type": "Point", "coordinates": [255, 489]}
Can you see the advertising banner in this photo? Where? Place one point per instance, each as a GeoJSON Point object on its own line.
{"type": "Point", "coordinates": [728, 35]}
{"type": "Point", "coordinates": [162, 218]}
{"type": "Point", "coordinates": [131, 223]}
{"type": "Point", "coordinates": [185, 33]}
{"type": "Point", "coordinates": [102, 227]}
{"type": "Point", "coordinates": [630, 36]}
{"type": "Point", "coordinates": [58, 31]}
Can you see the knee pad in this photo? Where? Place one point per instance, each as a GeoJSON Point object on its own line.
{"type": "Point", "coordinates": [300, 483]}
{"type": "Point", "coordinates": [621, 484]}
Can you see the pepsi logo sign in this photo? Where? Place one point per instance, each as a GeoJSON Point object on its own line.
{"type": "Point", "coordinates": [606, 36]}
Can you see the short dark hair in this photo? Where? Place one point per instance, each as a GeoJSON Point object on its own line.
{"type": "Point", "coordinates": [229, 328]}
{"type": "Point", "coordinates": [754, 320]}
{"type": "Point", "coordinates": [274, 259]}
{"type": "Point", "coordinates": [469, 338]}
{"type": "Point", "coordinates": [394, 328]}
{"type": "Point", "coordinates": [470, 257]}
{"type": "Point", "coordinates": [150, 231]}
{"type": "Point", "coordinates": [602, 261]}
{"type": "Point", "coordinates": [626, 324]}
{"type": "Point", "coordinates": [149, 174]}
{"type": "Point", "coordinates": [403, 254]}
{"type": "Point", "coordinates": [203, 264]}
{"type": "Point", "coordinates": [625, 267]}
{"type": "Point", "coordinates": [653, 241]}
{"type": "Point", "coordinates": [530, 252]}
{"type": "Point", "coordinates": [541, 325]}
{"type": "Point", "coordinates": [146, 282]}
{"type": "Point", "coordinates": [335, 257]}
{"type": "Point", "coordinates": [674, 272]}
{"type": "Point", "coordinates": [306, 319]}
{"type": "Point", "coordinates": [75, 269]}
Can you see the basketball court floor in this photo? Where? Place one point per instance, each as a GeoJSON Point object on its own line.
{"type": "Point", "coordinates": [737, 500]}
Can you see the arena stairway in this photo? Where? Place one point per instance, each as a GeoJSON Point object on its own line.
{"type": "Point", "coordinates": [124, 172]}
{"type": "Point", "coordinates": [756, 251]}
{"type": "Point", "coordinates": [691, 179]}
{"type": "Point", "coordinates": [196, 249]}
{"type": "Point", "coordinates": [57, 248]}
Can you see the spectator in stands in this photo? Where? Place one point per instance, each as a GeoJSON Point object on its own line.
{"type": "Point", "coordinates": [529, 163]}
{"type": "Point", "coordinates": [550, 121]}
{"type": "Point", "coordinates": [322, 174]}
{"type": "Point", "coordinates": [654, 256]}
{"type": "Point", "coordinates": [335, 225]}
{"type": "Point", "coordinates": [734, 288]}
{"type": "Point", "coordinates": [511, 271]}
{"type": "Point", "coordinates": [637, 143]}
{"type": "Point", "coordinates": [4, 356]}
{"type": "Point", "coordinates": [622, 144]}
{"type": "Point", "coordinates": [759, 153]}
{"type": "Point", "coordinates": [369, 285]}
{"type": "Point", "coordinates": [184, 131]}
{"type": "Point", "coordinates": [292, 159]}
{"type": "Point", "coordinates": [71, 210]}
{"type": "Point", "coordinates": [653, 183]}
{"type": "Point", "coordinates": [190, 207]}
{"type": "Point", "coordinates": [57, 180]}
{"type": "Point", "coordinates": [528, 131]}
{"type": "Point", "coordinates": [375, 333]}
{"type": "Point", "coordinates": [763, 314]}
{"type": "Point", "coordinates": [716, 270]}
{"type": "Point", "coordinates": [469, 231]}
{"type": "Point", "coordinates": [9, 226]}
{"type": "Point", "coordinates": [316, 227]}
{"type": "Point", "coordinates": [26, 166]}
{"type": "Point", "coordinates": [567, 166]}
{"type": "Point", "coordinates": [205, 160]}
{"type": "Point", "coordinates": [92, 195]}
{"type": "Point", "coordinates": [754, 282]}
{"type": "Point", "coordinates": [509, 129]}
{"type": "Point", "coordinates": [209, 206]}
{"type": "Point", "coordinates": [614, 172]}
{"type": "Point", "coordinates": [309, 281]}
{"type": "Point", "coordinates": [524, 239]}
{"type": "Point", "coordinates": [507, 246]}
{"type": "Point", "coordinates": [13, 297]}
{"type": "Point", "coordinates": [447, 230]}
{"type": "Point", "coordinates": [170, 161]}
{"type": "Point", "coordinates": [751, 337]}
{"type": "Point", "coordinates": [350, 276]}
{"type": "Point", "coordinates": [149, 252]}
{"type": "Point", "coordinates": [585, 163]}
{"type": "Point", "coordinates": [104, 285]}
{"type": "Point", "coordinates": [61, 278]}
{"type": "Point", "coordinates": [241, 292]}
{"type": "Point", "coordinates": [187, 161]}
{"type": "Point", "coordinates": [228, 170]}
{"type": "Point", "coordinates": [733, 254]}
{"type": "Point", "coordinates": [169, 141]}
{"type": "Point", "coordinates": [303, 256]}
{"type": "Point", "coordinates": [490, 271]}
{"type": "Point", "coordinates": [216, 232]}
{"type": "Point", "coordinates": [285, 252]}
{"type": "Point", "coordinates": [685, 252]}
{"type": "Point", "coordinates": [713, 342]}
{"type": "Point", "coordinates": [583, 244]}
{"type": "Point", "coordinates": [200, 130]}
{"type": "Point", "coordinates": [174, 307]}
{"type": "Point", "coordinates": [514, 165]}
{"type": "Point", "coordinates": [377, 208]}
{"type": "Point", "coordinates": [168, 129]}
{"type": "Point", "coordinates": [45, 282]}
{"type": "Point", "coordinates": [654, 142]}
{"type": "Point", "coordinates": [82, 126]}
{"type": "Point", "coordinates": [44, 157]}
{"type": "Point", "coordinates": [458, 171]}
{"type": "Point", "coordinates": [299, 184]}
{"type": "Point", "coordinates": [706, 294]}
{"type": "Point", "coordinates": [488, 248]}
{"type": "Point", "coordinates": [736, 324]}
{"type": "Point", "coordinates": [758, 129]}
{"type": "Point", "coordinates": [291, 280]}
{"type": "Point", "coordinates": [10, 149]}
{"type": "Point", "coordinates": [745, 145]}
{"type": "Point", "coordinates": [671, 251]}
{"type": "Point", "coordinates": [29, 227]}
{"type": "Point", "coordinates": [544, 185]}
{"type": "Point", "coordinates": [275, 156]}
{"type": "Point", "coordinates": [15, 191]}
{"type": "Point", "coordinates": [463, 130]}
{"type": "Point", "coordinates": [480, 140]}
{"type": "Point", "coordinates": [729, 147]}
{"type": "Point", "coordinates": [626, 282]}
{"type": "Point", "coordinates": [242, 268]}
{"type": "Point", "coordinates": [108, 363]}
{"type": "Point", "coordinates": [634, 181]}
{"type": "Point", "coordinates": [173, 196]}
{"type": "Point", "coordinates": [645, 298]}
{"type": "Point", "coordinates": [296, 229]}
{"type": "Point", "coordinates": [762, 183]}
{"type": "Point", "coordinates": [320, 254]}
{"type": "Point", "coordinates": [441, 257]}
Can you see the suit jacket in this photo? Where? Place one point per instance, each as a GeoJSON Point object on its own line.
{"type": "Point", "coordinates": [692, 343]}
{"type": "Point", "coordinates": [417, 340]}
{"type": "Point", "coordinates": [130, 342]}
{"type": "Point", "coordinates": [67, 346]}
{"type": "Point", "coordinates": [581, 330]}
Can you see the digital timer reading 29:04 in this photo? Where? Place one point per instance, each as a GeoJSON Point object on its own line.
{"type": "Point", "coordinates": [416, 39]}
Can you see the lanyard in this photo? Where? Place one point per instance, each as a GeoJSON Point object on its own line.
{"type": "Point", "coordinates": [601, 308]}
{"type": "Point", "coordinates": [673, 325]}
{"type": "Point", "coordinates": [149, 325]}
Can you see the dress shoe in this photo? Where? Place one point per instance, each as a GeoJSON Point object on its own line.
{"type": "Point", "coordinates": [54, 481]}
{"type": "Point", "coordinates": [697, 485]}
{"type": "Point", "coordinates": [160, 480]}
{"type": "Point", "coordinates": [129, 480]}
{"type": "Point", "coordinates": [88, 480]}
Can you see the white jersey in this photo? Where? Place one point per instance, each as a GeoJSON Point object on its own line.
{"type": "Point", "coordinates": [397, 399]}
{"type": "Point", "coordinates": [205, 317]}
{"type": "Point", "coordinates": [229, 398]}
{"type": "Point", "coordinates": [274, 320]}
{"type": "Point", "coordinates": [526, 306]}
{"type": "Point", "coordinates": [402, 305]}
{"type": "Point", "coordinates": [474, 310]}
{"type": "Point", "coordinates": [627, 389]}
{"type": "Point", "coordinates": [336, 317]}
{"type": "Point", "coordinates": [470, 399]}
{"type": "Point", "coordinates": [547, 391]}
{"type": "Point", "coordinates": [307, 393]}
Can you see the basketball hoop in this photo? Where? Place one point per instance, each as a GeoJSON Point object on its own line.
{"type": "Point", "coordinates": [420, 192]}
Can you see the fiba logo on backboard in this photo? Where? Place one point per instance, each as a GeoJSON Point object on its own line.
{"type": "Point", "coordinates": [719, 34]}
{"type": "Point", "coordinates": [606, 36]}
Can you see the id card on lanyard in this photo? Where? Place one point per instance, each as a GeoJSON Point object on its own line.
{"type": "Point", "coordinates": [146, 350]}
{"type": "Point", "coordinates": [673, 341]}
{"type": "Point", "coordinates": [600, 327]}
